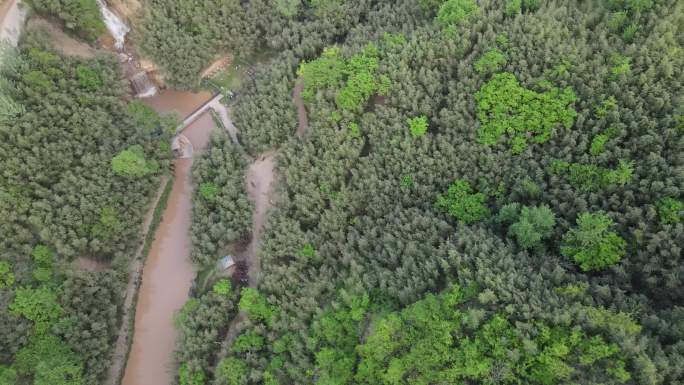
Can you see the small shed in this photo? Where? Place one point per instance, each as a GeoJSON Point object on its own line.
{"type": "Point", "coordinates": [226, 262]}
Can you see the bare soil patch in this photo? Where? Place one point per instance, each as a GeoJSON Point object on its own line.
{"type": "Point", "coordinates": [303, 118]}
{"type": "Point", "coordinates": [61, 41]}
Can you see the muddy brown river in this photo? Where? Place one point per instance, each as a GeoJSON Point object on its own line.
{"type": "Point", "coordinates": [168, 273]}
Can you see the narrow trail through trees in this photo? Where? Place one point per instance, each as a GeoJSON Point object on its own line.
{"type": "Point", "coordinates": [259, 178]}
{"type": "Point", "coordinates": [302, 117]}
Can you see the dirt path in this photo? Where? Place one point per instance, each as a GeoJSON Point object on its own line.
{"type": "Point", "coordinates": [224, 115]}
{"type": "Point", "coordinates": [259, 184]}
{"type": "Point", "coordinates": [259, 180]}
{"type": "Point", "coordinates": [123, 341]}
{"type": "Point", "coordinates": [303, 118]}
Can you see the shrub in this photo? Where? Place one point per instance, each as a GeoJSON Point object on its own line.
{"type": "Point", "coordinates": [512, 7]}
{"type": "Point", "coordinates": [607, 105]}
{"type": "Point", "coordinates": [591, 244]}
{"type": "Point", "coordinates": [418, 126]}
{"type": "Point", "coordinates": [222, 287]}
{"type": "Point", "coordinates": [454, 12]}
{"type": "Point", "coordinates": [39, 305]}
{"type": "Point", "coordinates": [491, 61]}
{"type": "Point", "coordinates": [508, 213]}
{"type": "Point", "coordinates": [461, 203]}
{"type": "Point", "coordinates": [208, 190]}
{"type": "Point", "coordinates": [187, 376]}
{"type": "Point", "coordinates": [354, 130]}
{"type": "Point", "coordinates": [598, 144]}
{"type": "Point", "coordinates": [620, 66]}
{"type": "Point", "coordinates": [249, 341]}
{"type": "Point", "coordinates": [590, 177]}
{"type": "Point", "coordinates": [670, 210]}
{"type": "Point", "coordinates": [88, 78]}
{"type": "Point", "coordinates": [231, 371]}
{"type": "Point", "coordinates": [307, 251]}
{"type": "Point", "coordinates": [534, 224]}
{"type": "Point", "coordinates": [6, 275]}
{"type": "Point", "coordinates": [131, 163]}
{"type": "Point", "coordinates": [109, 224]}
{"type": "Point", "coordinates": [256, 306]}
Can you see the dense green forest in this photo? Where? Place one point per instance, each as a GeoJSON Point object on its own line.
{"type": "Point", "coordinates": [80, 167]}
{"type": "Point", "coordinates": [488, 192]}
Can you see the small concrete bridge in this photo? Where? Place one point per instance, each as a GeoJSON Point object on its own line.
{"type": "Point", "coordinates": [222, 111]}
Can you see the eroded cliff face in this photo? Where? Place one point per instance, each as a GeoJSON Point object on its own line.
{"type": "Point", "coordinates": [128, 9]}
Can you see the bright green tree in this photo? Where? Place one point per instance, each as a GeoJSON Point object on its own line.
{"type": "Point", "coordinates": [255, 305]}
{"type": "Point", "coordinates": [222, 287]}
{"type": "Point", "coordinates": [38, 305]}
{"type": "Point", "coordinates": [50, 361]}
{"type": "Point", "coordinates": [6, 275]}
{"type": "Point", "coordinates": [504, 107]}
{"type": "Point", "coordinates": [208, 190]}
{"type": "Point", "coordinates": [109, 224]}
{"type": "Point", "coordinates": [591, 244]}
{"type": "Point", "coordinates": [670, 210]}
{"type": "Point", "coordinates": [534, 225]}
{"type": "Point", "coordinates": [418, 125]}
{"type": "Point", "coordinates": [454, 12]}
{"type": "Point", "coordinates": [88, 78]}
{"type": "Point", "coordinates": [8, 376]}
{"type": "Point", "coordinates": [462, 203]}
{"type": "Point", "coordinates": [43, 259]}
{"type": "Point", "coordinates": [491, 61]}
{"type": "Point", "coordinates": [249, 341]}
{"type": "Point", "coordinates": [231, 371]}
{"type": "Point", "coordinates": [131, 163]}
{"type": "Point", "coordinates": [187, 376]}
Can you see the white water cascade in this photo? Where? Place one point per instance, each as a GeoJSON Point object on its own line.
{"type": "Point", "coordinates": [117, 28]}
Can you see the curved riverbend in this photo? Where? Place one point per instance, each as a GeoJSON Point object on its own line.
{"type": "Point", "coordinates": [167, 276]}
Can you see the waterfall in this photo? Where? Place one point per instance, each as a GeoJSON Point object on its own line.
{"type": "Point", "coordinates": [117, 28]}
{"type": "Point", "coordinates": [142, 85]}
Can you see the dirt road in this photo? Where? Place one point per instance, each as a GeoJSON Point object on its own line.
{"type": "Point", "coordinates": [302, 117]}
